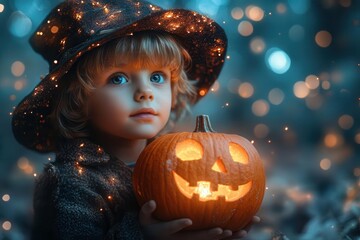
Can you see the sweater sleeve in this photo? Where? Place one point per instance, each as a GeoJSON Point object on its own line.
{"type": "Point", "coordinates": [65, 208]}
{"type": "Point", "coordinates": [80, 214]}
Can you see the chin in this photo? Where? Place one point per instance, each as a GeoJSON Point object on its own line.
{"type": "Point", "coordinates": [144, 131]}
{"type": "Point", "coordinates": [144, 134]}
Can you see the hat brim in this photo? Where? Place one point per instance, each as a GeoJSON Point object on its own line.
{"type": "Point", "coordinates": [203, 38]}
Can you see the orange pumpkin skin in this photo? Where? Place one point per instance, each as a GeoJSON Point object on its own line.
{"type": "Point", "coordinates": [155, 170]}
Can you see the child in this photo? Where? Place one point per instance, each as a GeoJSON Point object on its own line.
{"type": "Point", "coordinates": [117, 74]}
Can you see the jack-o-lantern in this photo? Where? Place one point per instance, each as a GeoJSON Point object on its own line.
{"type": "Point", "coordinates": [215, 179]}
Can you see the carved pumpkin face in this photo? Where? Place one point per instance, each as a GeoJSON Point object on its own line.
{"type": "Point", "coordinates": [190, 153]}
{"type": "Point", "coordinates": [215, 179]}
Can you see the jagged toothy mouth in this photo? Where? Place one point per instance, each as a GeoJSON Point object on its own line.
{"type": "Point", "coordinates": [205, 193]}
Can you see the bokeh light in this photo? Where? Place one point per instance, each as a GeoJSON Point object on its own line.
{"type": "Point", "coordinates": [296, 33]}
{"type": "Point", "coordinates": [215, 87]}
{"type": "Point", "coordinates": [261, 130]}
{"type": "Point", "coordinates": [202, 92]}
{"type": "Point", "coordinates": [324, 76]}
{"type": "Point", "coordinates": [245, 28]}
{"type": "Point", "coordinates": [254, 13]}
{"type": "Point", "coordinates": [220, 2]}
{"type": "Point", "coordinates": [299, 6]}
{"type": "Point", "coordinates": [6, 197]}
{"type": "Point", "coordinates": [24, 165]}
{"type": "Point", "coordinates": [2, 7]}
{"type": "Point", "coordinates": [54, 29]}
{"type": "Point", "coordinates": [32, 8]}
{"type": "Point", "coordinates": [260, 108]}
{"type": "Point", "coordinates": [281, 8]}
{"type": "Point", "coordinates": [257, 45]}
{"type": "Point", "coordinates": [246, 90]}
{"type": "Point", "coordinates": [325, 164]}
{"type": "Point", "coordinates": [323, 39]}
{"type": "Point", "coordinates": [332, 140]}
{"type": "Point", "coordinates": [314, 102]}
{"type": "Point", "coordinates": [12, 97]}
{"type": "Point", "coordinates": [6, 225]}
{"type": "Point", "coordinates": [301, 90]}
{"type": "Point", "coordinates": [17, 68]}
{"type": "Point", "coordinates": [237, 13]}
{"type": "Point", "coordinates": [357, 138]}
{"type": "Point", "coordinates": [277, 60]}
{"type": "Point", "coordinates": [276, 96]}
{"type": "Point", "coordinates": [326, 85]}
{"type": "Point", "coordinates": [312, 82]}
{"type": "Point", "coordinates": [208, 9]}
{"type": "Point", "coordinates": [19, 84]}
{"type": "Point", "coordinates": [337, 76]}
{"type": "Point", "coordinates": [19, 24]}
{"type": "Point", "coordinates": [346, 121]}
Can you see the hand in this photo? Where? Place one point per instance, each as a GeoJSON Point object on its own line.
{"type": "Point", "coordinates": [243, 232]}
{"type": "Point", "coordinates": [154, 229]}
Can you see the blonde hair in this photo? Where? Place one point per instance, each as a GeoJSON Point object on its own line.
{"type": "Point", "coordinates": [143, 49]}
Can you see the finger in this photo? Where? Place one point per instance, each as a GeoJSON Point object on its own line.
{"type": "Point", "coordinates": [239, 234]}
{"type": "Point", "coordinates": [255, 219]}
{"type": "Point", "coordinates": [225, 234]}
{"type": "Point", "coordinates": [210, 234]}
{"type": "Point", "coordinates": [173, 226]}
{"type": "Point", "coordinates": [163, 229]}
{"type": "Point", "coordinates": [145, 215]}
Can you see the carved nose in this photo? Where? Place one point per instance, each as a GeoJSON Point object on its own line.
{"type": "Point", "coordinates": [219, 166]}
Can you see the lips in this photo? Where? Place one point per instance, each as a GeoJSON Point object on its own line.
{"type": "Point", "coordinates": [144, 112]}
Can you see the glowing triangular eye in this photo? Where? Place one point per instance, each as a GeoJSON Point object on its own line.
{"type": "Point", "coordinates": [219, 166]}
{"type": "Point", "coordinates": [238, 153]}
{"type": "Point", "coordinates": [189, 150]}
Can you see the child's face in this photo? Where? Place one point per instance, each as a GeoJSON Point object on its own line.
{"type": "Point", "coordinates": [131, 102]}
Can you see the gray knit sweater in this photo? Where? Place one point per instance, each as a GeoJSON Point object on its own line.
{"type": "Point", "coordinates": [85, 194]}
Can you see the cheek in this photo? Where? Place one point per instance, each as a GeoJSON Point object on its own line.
{"type": "Point", "coordinates": [165, 98]}
{"type": "Point", "coordinates": [108, 105]}
{"type": "Point", "coordinates": [164, 105]}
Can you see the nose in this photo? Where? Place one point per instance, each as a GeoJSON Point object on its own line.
{"type": "Point", "coordinates": [143, 92]}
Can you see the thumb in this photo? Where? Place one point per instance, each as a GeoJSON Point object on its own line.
{"type": "Point", "coordinates": [145, 215]}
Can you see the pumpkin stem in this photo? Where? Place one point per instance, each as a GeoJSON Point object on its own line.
{"type": "Point", "coordinates": [203, 124]}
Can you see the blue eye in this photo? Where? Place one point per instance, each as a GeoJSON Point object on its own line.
{"type": "Point", "coordinates": [157, 78]}
{"type": "Point", "coordinates": [118, 79]}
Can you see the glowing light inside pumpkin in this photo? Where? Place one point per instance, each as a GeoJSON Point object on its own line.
{"type": "Point", "coordinates": [204, 191]}
{"type": "Point", "coordinates": [238, 153]}
{"type": "Point", "coordinates": [219, 166]}
{"type": "Point", "coordinates": [189, 150]}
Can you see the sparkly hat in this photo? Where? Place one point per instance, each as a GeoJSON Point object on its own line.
{"type": "Point", "coordinates": [77, 26]}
